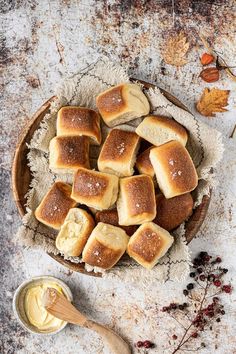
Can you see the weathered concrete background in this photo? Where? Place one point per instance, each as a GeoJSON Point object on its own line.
{"type": "Point", "coordinates": [41, 43]}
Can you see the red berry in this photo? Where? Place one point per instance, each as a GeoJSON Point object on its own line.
{"type": "Point", "coordinates": [174, 336]}
{"type": "Point", "coordinates": [194, 334]}
{"type": "Point", "coordinates": [147, 344]}
{"type": "Point", "coordinates": [227, 289]}
{"type": "Point", "coordinates": [207, 258]}
{"type": "Point", "coordinates": [217, 283]}
{"type": "Point", "coordinates": [164, 309]}
{"type": "Point", "coordinates": [218, 260]}
{"type": "Point", "coordinates": [139, 344]}
{"type": "Point", "coordinates": [202, 277]}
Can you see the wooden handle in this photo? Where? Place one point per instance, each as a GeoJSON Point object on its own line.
{"type": "Point", "coordinates": [113, 340]}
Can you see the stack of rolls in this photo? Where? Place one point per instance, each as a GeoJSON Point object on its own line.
{"type": "Point", "coordinates": [135, 197]}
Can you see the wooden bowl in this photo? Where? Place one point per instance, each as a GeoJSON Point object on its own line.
{"type": "Point", "coordinates": [21, 178]}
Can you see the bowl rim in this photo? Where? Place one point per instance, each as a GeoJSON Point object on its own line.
{"type": "Point", "coordinates": [67, 291]}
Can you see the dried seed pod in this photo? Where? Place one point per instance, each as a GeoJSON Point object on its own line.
{"type": "Point", "coordinates": [210, 74]}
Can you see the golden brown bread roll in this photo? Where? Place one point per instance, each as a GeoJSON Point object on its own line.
{"type": "Point", "coordinates": [68, 153]}
{"type": "Point", "coordinates": [74, 232]}
{"type": "Point", "coordinates": [122, 103]}
{"type": "Point", "coordinates": [118, 153]}
{"type": "Point", "coordinates": [173, 211]}
{"type": "Point", "coordinates": [105, 246]}
{"type": "Point", "coordinates": [111, 217]}
{"type": "Point", "coordinates": [148, 244]}
{"type": "Point", "coordinates": [136, 203]}
{"type": "Point", "coordinates": [55, 205]}
{"type": "Point", "coordinates": [159, 130]}
{"type": "Point", "coordinates": [174, 169]}
{"type": "Point", "coordinates": [143, 163]}
{"type": "Point", "coordinates": [95, 189]}
{"type": "Point", "coordinates": [77, 121]}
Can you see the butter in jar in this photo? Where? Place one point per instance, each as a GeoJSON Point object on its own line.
{"type": "Point", "coordinates": [35, 312]}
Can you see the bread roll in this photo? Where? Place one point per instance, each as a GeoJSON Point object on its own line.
{"type": "Point", "coordinates": [159, 130]}
{"type": "Point", "coordinates": [174, 169]}
{"type": "Point", "coordinates": [68, 153]}
{"type": "Point", "coordinates": [55, 205]}
{"type": "Point", "coordinates": [122, 103]}
{"type": "Point", "coordinates": [118, 153]}
{"type": "Point", "coordinates": [143, 163]}
{"type": "Point", "coordinates": [172, 212]}
{"type": "Point", "coordinates": [95, 189]}
{"type": "Point", "coordinates": [136, 202]}
{"type": "Point", "coordinates": [105, 246]}
{"type": "Point", "coordinates": [74, 232]}
{"type": "Point", "coordinates": [77, 121]}
{"type": "Point", "coordinates": [111, 217]}
{"type": "Point", "coordinates": [148, 244]}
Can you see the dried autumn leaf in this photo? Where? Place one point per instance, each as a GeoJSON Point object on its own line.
{"type": "Point", "coordinates": [174, 51]}
{"type": "Point", "coordinates": [212, 101]}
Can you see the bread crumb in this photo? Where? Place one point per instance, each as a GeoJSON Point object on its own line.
{"type": "Point", "coordinates": [179, 173]}
{"type": "Point", "coordinates": [171, 162]}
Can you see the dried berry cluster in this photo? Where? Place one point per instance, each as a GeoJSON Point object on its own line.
{"type": "Point", "coordinates": [202, 307]}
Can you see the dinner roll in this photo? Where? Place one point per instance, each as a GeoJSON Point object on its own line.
{"type": "Point", "coordinates": [105, 246]}
{"type": "Point", "coordinates": [122, 103]}
{"type": "Point", "coordinates": [74, 232]}
{"type": "Point", "coordinates": [111, 217]}
{"type": "Point", "coordinates": [174, 169]}
{"type": "Point", "coordinates": [95, 189]}
{"type": "Point", "coordinates": [173, 211]}
{"type": "Point", "coordinates": [77, 121]}
{"type": "Point", "coordinates": [118, 153]}
{"type": "Point", "coordinates": [143, 163]}
{"type": "Point", "coordinates": [55, 205]}
{"type": "Point", "coordinates": [68, 153]}
{"type": "Point", "coordinates": [159, 130]}
{"type": "Point", "coordinates": [148, 244]}
{"type": "Point", "coordinates": [136, 202]}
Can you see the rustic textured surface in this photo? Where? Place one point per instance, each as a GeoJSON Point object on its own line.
{"type": "Point", "coordinates": [41, 43]}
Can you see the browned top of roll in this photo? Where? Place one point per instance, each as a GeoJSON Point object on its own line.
{"type": "Point", "coordinates": [56, 204]}
{"type": "Point", "coordinates": [148, 244]}
{"type": "Point", "coordinates": [169, 123]}
{"type": "Point", "coordinates": [118, 145]}
{"type": "Point", "coordinates": [111, 100]}
{"type": "Point", "coordinates": [139, 193]}
{"type": "Point", "coordinates": [177, 163]}
{"type": "Point", "coordinates": [111, 217]}
{"type": "Point", "coordinates": [78, 118]}
{"type": "Point", "coordinates": [89, 183]}
{"type": "Point", "coordinates": [173, 211]}
{"type": "Point", "coordinates": [101, 256]}
{"type": "Point", "coordinates": [143, 163]}
{"type": "Point", "coordinates": [73, 150]}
